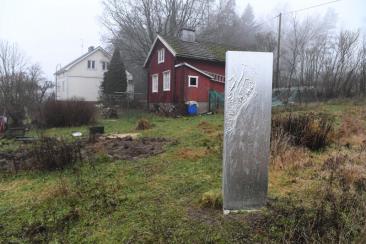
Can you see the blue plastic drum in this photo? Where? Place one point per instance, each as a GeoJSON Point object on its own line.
{"type": "Point", "coordinates": [192, 109]}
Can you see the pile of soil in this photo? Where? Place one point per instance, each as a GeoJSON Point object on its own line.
{"type": "Point", "coordinates": [128, 148]}
{"type": "Point", "coordinates": [117, 148]}
{"type": "Point", "coordinates": [12, 161]}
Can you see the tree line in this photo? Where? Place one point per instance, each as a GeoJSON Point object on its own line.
{"type": "Point", "coordinates": [314, 53]}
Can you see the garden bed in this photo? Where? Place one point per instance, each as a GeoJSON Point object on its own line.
{"type": "Point", "coordinates": [127, 148]}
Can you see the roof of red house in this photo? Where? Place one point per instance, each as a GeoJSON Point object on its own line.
{"type": "Point", "coordinates": [196, 50]}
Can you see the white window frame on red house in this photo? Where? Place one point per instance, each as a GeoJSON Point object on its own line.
{"type": "Point", "coordinates": [161, 55]}
{"type": "Point", "coordinates": [189, 81]}
{"type": "Point", "coordinates": [166, 80]}
{"type": "Point", "coordinates": [155, 83]}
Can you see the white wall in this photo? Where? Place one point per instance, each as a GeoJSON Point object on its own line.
{"type": "Point", "coordinates": [81, 82]}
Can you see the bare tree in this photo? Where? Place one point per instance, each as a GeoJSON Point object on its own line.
{"type": "Point", "coordinates": [22, 89]}
{"type": "Point", "coordinates": [133, 25]}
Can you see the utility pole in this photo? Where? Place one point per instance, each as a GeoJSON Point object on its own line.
{"type": "Point", "coordinates": [57, 66]}
{"type": "Point", "coordinates": [278, 51]}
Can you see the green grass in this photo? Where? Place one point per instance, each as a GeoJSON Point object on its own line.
{"type": "Point", "coordinates": [156, 199]}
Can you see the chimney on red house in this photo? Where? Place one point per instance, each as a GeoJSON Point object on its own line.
{"type": "Point", "coordinates": [187, 35]}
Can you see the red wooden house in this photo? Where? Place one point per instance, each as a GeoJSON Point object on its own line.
{"type": "Point", "coordinates": [182, 70]}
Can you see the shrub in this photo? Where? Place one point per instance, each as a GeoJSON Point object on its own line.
{"type": "Point", "coordinates": [51, 153]}
{"type": "Point", "coordinates": [280, 142]}
{"type": "Point", "coordinates": [211, 199]}
{"type": "Point", "coordinates": [314, 131]}
{"type": "Point", "coordinates": [336, 213]}
{"type": "Point", "coordinates": [68, 113]}
{"type": "Point", "coordinates": [143, 124]}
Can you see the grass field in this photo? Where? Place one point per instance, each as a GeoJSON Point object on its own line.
{"type": "Point", "coordinates": [157, 199]}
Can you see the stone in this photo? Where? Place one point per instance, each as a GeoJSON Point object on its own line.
{"type": "Point", "coordinates": [248, 97]}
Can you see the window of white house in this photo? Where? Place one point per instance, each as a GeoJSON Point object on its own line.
{"type": "Point", "coordinates": [193, 81]}
{"type": "Point", "coordinates": [91, 64]}
{"type": "Point", "coordinates": [104, 65]}
{"type": "Point", "coordinates": [155, 83]}
{"type": "Point", "coordinates": [166, 80]}
{"type": "Point", "coordinates": [161, 55]}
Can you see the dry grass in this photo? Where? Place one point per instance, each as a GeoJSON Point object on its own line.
{"type": "Point", "coordinates": [315, 131]}
{"type": "Point", "coordinates": [143, 124]}
{"type": "Point", "coordinates": [294, 158]}
{"type": "Point", "coordinates": [192, 153]}
{"type": "Point", "coordinates": [284, 155]}
{"type": "Point", "coordinates": [351, 131]}
{"type": "Point", "coordinates": [14, 185]}
{"type": "Point", "coordinates": [61, 188]}
{"type": "Point", "coordinates": [353, 173]}
{"type": "Point", "coordinates": [211, 199]}
{"type": "Point", "coordinates": [209, 129]}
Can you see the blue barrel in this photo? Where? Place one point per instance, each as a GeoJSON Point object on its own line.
{"type": "Point", "coordinates": [192, 109]}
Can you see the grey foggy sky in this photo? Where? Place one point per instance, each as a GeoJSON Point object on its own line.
{"type": "Point", "coordinates": [52, 32]}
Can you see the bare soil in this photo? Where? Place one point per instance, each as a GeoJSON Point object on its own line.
{"type": "Point", "coordinates": [116, 148]}
{"type": "Point", "coordinates": [128, 148]}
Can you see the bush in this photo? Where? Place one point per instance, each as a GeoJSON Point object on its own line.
{"type": "Point", "coordinates": [143, 124]}
{"type": "Point", "coordinates": [211, 199]}
{"type": "Point", "coordinates": [314, 131]}
{"type": "Point", "coordinates": [68, 113]}
{"type": "Point", "coordinates": [51, 153]}
{"type": "Point", "coordinates": [335, 214]}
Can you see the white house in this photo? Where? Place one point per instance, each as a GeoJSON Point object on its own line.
{"type": "Point", "coordinates": [82, 77]}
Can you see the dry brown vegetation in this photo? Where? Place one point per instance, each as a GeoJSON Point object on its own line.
{"type": "Point", "coordinates": [192, 153]}
{"type": "Point", "coordinates": [143, 124]}
{"type": "Point", "coordinates": [211, 199]}
{"type": "Point", "coordinates": [315, 131]}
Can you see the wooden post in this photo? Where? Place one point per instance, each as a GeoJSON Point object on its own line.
{"type": "Point", "coordinates": [278, 51]}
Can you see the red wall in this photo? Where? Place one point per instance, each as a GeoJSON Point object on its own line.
{"type": "Point", "coordinates": [200, 93]}
{"type": "Point", "coordinates": [217, 86]}
{"type": "Point", "coordinates": [179, 90]}
{"type": "Point", "coordinates": [155, 68]}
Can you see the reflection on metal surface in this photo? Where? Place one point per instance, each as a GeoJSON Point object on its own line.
{"type": "Point", "coordinates": [247, 129]}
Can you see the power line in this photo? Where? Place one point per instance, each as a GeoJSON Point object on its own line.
{"type": "Point", "coordinates": [279, 35]}
{"type": "Point", "coordinates": [314, 6]}
{"type": "Point", "coordinates": [297, 10]}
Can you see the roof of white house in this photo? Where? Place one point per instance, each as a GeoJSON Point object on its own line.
{"type": "Point", "coordinates": [86, 55]}
{"type": "Point", "coordinates": [81, 58]}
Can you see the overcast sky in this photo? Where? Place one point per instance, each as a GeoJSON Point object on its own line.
{"type": "Point", "coordinates": [52, 32]}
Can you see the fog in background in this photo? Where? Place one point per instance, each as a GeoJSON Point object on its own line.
{"type": "Point", "coordinates": [52, 32]}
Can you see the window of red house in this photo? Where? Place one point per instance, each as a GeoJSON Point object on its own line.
{"type": "Point", "coordinates": [161, 55]}
{"type": "Point", "coordinates": [193, 81]}
{"type": "Point", "coordinates": [155, 83]}
{"type": "Point", "coordinates": [166, 80]}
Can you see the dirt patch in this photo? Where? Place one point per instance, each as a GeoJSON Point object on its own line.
{"type": "Point", "coordinates": [205, 215]}
{"type": "Point", "coordinates": [11, 161]}
{"type": "Point", "coordinates": [128, 148]}
{"type": "Point", "coordinates": [116, 147]}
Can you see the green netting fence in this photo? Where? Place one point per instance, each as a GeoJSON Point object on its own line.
{"type": "Point", "coordinates": [216, 101]}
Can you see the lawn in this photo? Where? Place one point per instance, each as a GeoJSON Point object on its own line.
{"type": "Point", "coordinates": [157, 199]}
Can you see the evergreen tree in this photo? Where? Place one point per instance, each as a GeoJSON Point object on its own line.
{"type": "Point", "coordinates": [114, 79]}
{"type": "Point", "coordinates": [249, 27]}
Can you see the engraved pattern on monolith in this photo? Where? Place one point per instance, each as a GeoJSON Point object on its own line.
{"type": "Point", "coordinates": [248, 96]}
